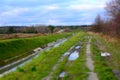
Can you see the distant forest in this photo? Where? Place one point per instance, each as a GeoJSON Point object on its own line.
{"type": "Point", "coordinates": [38, 29]}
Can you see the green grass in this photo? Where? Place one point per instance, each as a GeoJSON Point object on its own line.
{"type": "Point", "coordinates": [76, 70]}
{"type": "Point", "coordinates": [114, 48]}
{"type": "Point", "coordinates": [42, 65]}
{"type": "Point", "coordinates": [14, 47]}
{"type": "Point", "coordinates": [101, 68]}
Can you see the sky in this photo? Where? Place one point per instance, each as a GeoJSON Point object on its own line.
{"type": "Point", "coordinates": [50, 12]}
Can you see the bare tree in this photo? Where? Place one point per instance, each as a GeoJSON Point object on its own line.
{"type": "Point", "coordinates": [98, 24]}
{"type": "Point", "coordinates": [113, 9]}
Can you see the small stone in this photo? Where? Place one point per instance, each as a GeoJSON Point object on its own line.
{"type": "Point", "coordinates": [37, 49]}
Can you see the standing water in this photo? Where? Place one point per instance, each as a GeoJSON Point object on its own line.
{"type": "Point", "coordinates": [62, 74]}
{"type": "Point", "coordinates": [13, 66]}
{"type": "Point", "coordinates": [73, 56]}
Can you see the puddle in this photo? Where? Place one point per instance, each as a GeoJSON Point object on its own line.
{"type": "Point", "coordinates": [13, 69]}
{"type": "Point", "coordinates": [13, 66]}
{"type": "Point", "coordinates": [67, 53]}
{"type": "Point", "coordinates": [62, 74]}
{"type": "Point", "coordinates": [58, 43]}
{"type": "Point", "coordinates": [8, 72]}
{"type": "Point", "coordinates": [26, 58]}
{"type": "Point", "coordinates": [54, 44]}
{"type": "Point", "coordinates": [77, 47]}
{"type": "Point", "coordinates": [73, 56]}
{"type": "Point", "coordinates": [47, 48]}
{"type": "Point", "coordinates": [22, 61]}
{"type": "Point", "coordinates": [105, 54]}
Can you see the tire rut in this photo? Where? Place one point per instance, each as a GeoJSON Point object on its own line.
{"type": "Point", "coordinates": [90, 63]}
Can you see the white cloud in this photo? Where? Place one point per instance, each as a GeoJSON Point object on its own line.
{"type": "Point", "coordinates": [50, 11]}
{"type": "Point", "coordinates": [51, 7]}
{"type": "Point", "coordinates": [45, 7]}
{"type": "Point", "coordinates": [13, 12]}
{"type": "Point", "coordinates": [85, 7]}
{"type": "Point", "coordinates": [11, 15]}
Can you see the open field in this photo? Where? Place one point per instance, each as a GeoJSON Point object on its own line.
{"type": "Point", "coordinates": [60, 40]}
{"type": "Point", "coordinates": [103, 70]}
{"type": "Point", "coordinates": [22, 45]}
{"type": "Point", "coordinates": [43, 64]}
{"type": "Point", "coordinates": [52, 64]}
{"type": "Point", "coordinates": [14, 47]}
{"type": "Point", "coordinates": [112, 63]}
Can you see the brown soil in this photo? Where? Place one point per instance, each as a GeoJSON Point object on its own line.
{"type": "Point", "coordinates": [18, 35]}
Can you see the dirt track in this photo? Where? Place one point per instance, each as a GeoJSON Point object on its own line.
{"type": "Point", "coordinates": [89, 63]}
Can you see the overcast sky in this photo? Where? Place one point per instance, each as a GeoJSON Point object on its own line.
{"type": "Point", "coordinates": [54, 12]}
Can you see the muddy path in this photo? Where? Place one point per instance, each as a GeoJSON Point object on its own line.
{"type": "Point", "coordinates": [56, 65]}
{"type": "Point", "coordinates": [72, 54]}
{"type": "Point", "coordinates": [90, 62]}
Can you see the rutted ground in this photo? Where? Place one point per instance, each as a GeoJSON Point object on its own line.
{"type": "Point", "coordinates": [109, 60]}
{"type": "Point", "coordinates": [103, 70]}
{"type": "Point", "coordinates": [69, 60]}
{"type": "Point", "coordinates": [12, 66]}
{"type": "Point", "coordinates": [15, 49]}
{"type": "Point", "coordinates": [77, 59]}
{"type": "Point", "coordinates": [56, 65]}
{"type": "Point", "coordinates": [90, 62]}
{"type": "Point", "coordinates": [41, 66]}
{"type": "Point", "coordinates": [72, 66]}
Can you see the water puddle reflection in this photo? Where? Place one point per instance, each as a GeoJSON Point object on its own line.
{"type": "Point", "coordinates": [77, 47]}
{"type": "Point", "coordinates": [67, 53]}
{"type": "Point", "coordinates": [58, 43]}
{"type": "Point", "coordinates": [13, 66]}
{"type": "Point", "coordinates": [62, 74]}
{"type": "Point", "coordinates": [73, 56]}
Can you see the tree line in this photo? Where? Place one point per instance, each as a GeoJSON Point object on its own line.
{"type": "Point", "coordinates": [111, 24]}
{"type": "Point", "coordinates": [40, 29]}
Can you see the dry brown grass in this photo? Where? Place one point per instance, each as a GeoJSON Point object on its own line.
{"type": "Point", "coordinates": [110, 38]}
{"type": "Point", "coordinates": [107, 37]}
{"type": "Point", "coordinates": [18, 35]}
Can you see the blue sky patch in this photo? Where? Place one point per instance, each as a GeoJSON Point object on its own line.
{"type": "Point", "coordinates": [54, 12]}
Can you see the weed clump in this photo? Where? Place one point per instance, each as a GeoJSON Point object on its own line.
{"type": "Point", "coordinates": [20, 69]}
{"type": "Point", "coordinates": [33, 68]}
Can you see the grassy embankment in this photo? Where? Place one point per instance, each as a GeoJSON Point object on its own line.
{"type": "Point", "coordinates": [15, 47]}
{"type": "Point", "coordinates": [112, 45]}
{"type": "Point", "coordinates": [103, 70]}
{"type": "Point", "coordinates": [42, 65]}
{"type": "Point", "coordinates": [76, 70]}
